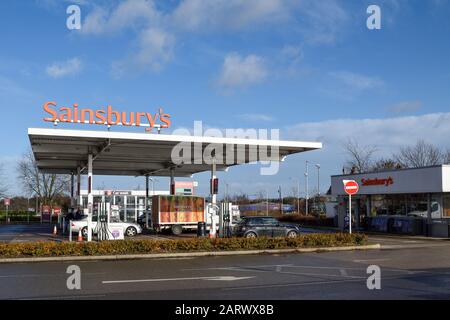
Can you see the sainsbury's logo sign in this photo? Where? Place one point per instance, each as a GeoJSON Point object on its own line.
{"type": "Point", "coordinates": [377, 182]}
{"type": "Point", "coordinates": [106, 116]}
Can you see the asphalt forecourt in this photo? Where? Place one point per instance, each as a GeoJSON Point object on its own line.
{"type": "Point", "coordinates": [129, 249]}
{"type": "Point", "coordinates": [409, 274]}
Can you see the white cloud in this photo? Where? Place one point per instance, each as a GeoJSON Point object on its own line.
{"type": "Point", "coordinates": [322, 20]}
{"type": "Point", "coordinates": [405, 106]}
{"type": "Point", "coordinates": [317, 21]}
{"type": "Point", "coordinates": [154, 43]}
{"type": "Point", "coordinates": [240, 72]}
{"type": "Point", "coordinates": [387, 134]}
{"type": "Point", "coordinates": [356, 81]}
{"type": "Point", "coordinates": [65, 68]}
{"type": "Point", "coordinates": [256, 117]}
{"type": "Point", "coordinates": [223, 15]}
{"type": "Point", "coordinates": [155, 49]}
{"type": "Point", "coordinates": [128, 14]}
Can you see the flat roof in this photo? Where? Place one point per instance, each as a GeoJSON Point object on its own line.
{"type": "Point", "coordinates": [62, 151]}
{"type": "Point", "coordinates": [391, 170]}
{"type": "Point", "coordinates": [432, 179]}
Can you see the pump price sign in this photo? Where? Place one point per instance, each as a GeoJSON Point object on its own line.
{"type": "Point", "coordinates": [351, 187]}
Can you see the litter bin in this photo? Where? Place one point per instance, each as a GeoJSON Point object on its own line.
{"type": "Point", "coordinates": [201, 230]}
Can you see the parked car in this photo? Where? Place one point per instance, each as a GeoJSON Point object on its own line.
{"type": "Point", "coordinates": [253, 227]}
{"type": "Point", "coordinates": [129, 229]}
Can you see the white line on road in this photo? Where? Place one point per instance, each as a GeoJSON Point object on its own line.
{"type": "Point", "coordinates": [371, 260]}
{"type": "Point", "coordinates": [294, 284]}
{"type": "Point", "coordinates": [217, 278]}
{"type": "Point", "coordinates": [241, 267]}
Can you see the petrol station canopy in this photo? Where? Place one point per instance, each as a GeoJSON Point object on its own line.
{"type": "Point", "coordinates": [61, 151]}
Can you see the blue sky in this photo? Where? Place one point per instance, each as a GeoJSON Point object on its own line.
{"type": "Point", "coordinates": [310, 68]}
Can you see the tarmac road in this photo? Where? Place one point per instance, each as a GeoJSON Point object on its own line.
{"type": "Point", "coordinates": [410, 270]}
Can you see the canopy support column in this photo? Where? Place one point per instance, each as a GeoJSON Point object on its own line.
{"type": "Point", "coordinates": [213, 198]}
{"type": "Point", "coordinates": [90, 197]}
{"type": "Point", "coordinates": [72, 189]}
{"type": "Point", "coordinates": [79, 199]}
{"type": "Point", "coordinates": [147, 196]}
{"type": "Point", "coordinates": [172, 182]}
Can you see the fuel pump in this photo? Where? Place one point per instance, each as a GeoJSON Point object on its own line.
{"type": "Point", "coordinates": [213, 219]}
{"type": "Point", "coordinates": [225, 220]}
{"type": "Point", "coordinates": [102, 229]}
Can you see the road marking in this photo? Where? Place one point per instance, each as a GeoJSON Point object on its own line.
{"type": "Point", "coordinates": [317, 283]}
{"type": "Point", "coordinates": [241, 267]}
{"type": "Point", "coordinates": [217, 278]}
{"type": "Point", "coordinates": [372, 260]}
{"type": "Point", "coordinates": [321, 275]}
{"type": "Point", "coordinates": [343, 272]}
{"type": "Point", "coordinates": [293, 284]}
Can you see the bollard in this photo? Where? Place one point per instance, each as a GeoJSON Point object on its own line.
{"type": "Point", "coordinates": [70, 230]}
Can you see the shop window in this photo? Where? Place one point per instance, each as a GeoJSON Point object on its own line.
{"type": "Point", "coordinates": [131, 209]}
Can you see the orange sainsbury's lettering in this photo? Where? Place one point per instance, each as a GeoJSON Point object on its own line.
{"type": "Point", "coordinates": [100, 115]}
{"type": "Point", "coordinates": [49, 110]}
{"type": "Point", "coordinates": [105, 116]}
{"type": "Point", "coordinates": [165, 118]}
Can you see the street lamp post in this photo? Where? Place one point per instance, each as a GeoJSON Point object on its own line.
{"type": "Point", "coordinates": [318, 183]}
{"type": "Point", "coordinates": [307, 187]}
{"type": "Point", "coordinates": [281, 201]}
{"type": "Point", "coordinates": [298, 193]}
{"type": "Point", "coordinates": [226, 193]}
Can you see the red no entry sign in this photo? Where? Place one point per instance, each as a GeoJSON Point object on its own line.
{"type": "Point", "coordinates": [351, 187]}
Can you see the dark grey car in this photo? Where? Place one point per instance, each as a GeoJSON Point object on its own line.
{"type": "Point", "coordinates": [253, 227]}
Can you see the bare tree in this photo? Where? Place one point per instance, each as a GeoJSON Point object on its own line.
{"type": "Point", "coordinates": [46, 187]}
{"type": "Point", "coordinates": [385, 164]}
{"type": "Point", "coordinates": [359, 156]}
{"type": "Point", "coordinates": [3, 184]}
{"type": "Point", "coordinates": [447, 157]}
{"type": "Point", "coordinates": [421, 154]}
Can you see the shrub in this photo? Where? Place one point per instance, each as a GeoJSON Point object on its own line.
{"type": "Point", "coordinates": [54, 249]}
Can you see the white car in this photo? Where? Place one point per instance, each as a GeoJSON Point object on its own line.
{"type": "Point", "coordinates": [423, 213]}
{"type": "Point", "coordinates": [129, 229]}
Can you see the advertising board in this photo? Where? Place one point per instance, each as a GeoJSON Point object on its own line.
{"type": "Point", "coordinates": [178, 209]}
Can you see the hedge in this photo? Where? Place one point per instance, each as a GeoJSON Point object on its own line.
{"type": "Point", "coordinates": [55, 249]}
{"type": "Point", "coordinates": [19, 216]}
